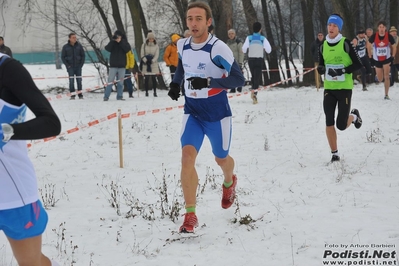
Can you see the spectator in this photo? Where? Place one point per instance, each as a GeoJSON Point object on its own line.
{"type": "Point", "coordinates": [337, 60]}
{"type": "Point", "coordinates": [187, 33]}
{"type": "Point", "coordinates": [4, 49]}
{"type": "Point", "coordinates": [209, 68]}
{"type": "Point", "coordinates": [235, 46]}
{"type": "Point", "coordinates": [382, 48]}
{"type": "Point", "coordinates": [314, 49]}
{"type": "Point", "coordinates": [170, 56]}
{"type": "Point", "coordinates": [73, 57]}
{"type": "Point", "coordinates": [22, 216]}
{"type": "Point", "coordinates": [255, 44]}
{"type": "Point", "coordinates": [360, 44]}
{"type": "Point", "coordinates": [149, 62]}
{"type": "Point", "coordinates": [118, 47]}
{"type": "Point", "coordinates": [128, 73]}
{"type": "Point", "coordinates": [395, 66]}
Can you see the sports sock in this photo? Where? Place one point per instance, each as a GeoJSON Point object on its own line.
{"type": "Point", "coordinates": [228, 184]}
{"type": "Point", "coordinates": [335, 152]}
{"type": "Point", "coordinates": [190, 209]}
{"type": "Point", "coordinates": [354, 118]}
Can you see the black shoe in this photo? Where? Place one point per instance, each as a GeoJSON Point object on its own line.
{"type": "Point", "coordinates": [81, 96]}
{"type": "Point", "coordinates": [131, 96]}
{"type": "Point", "coordinates": [359, 120]}
{"type": "Point", "coordinates": [364, 88]}
{"type": "Point", "coordinates": [155, 94]}
{"type": "Point", "coordinates": [146, 94]}
{"type": "Point", "coordinates": [335, 158]}
{"type": "Point", "coordinates": [73, 97]}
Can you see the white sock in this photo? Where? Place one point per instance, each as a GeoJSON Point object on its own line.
{"type": "Point", "coordinates": [335, 153]}
{"type": "Point", "coordinates": [54, 263]}
{"type": "Point", "coordinates": [354, 118]}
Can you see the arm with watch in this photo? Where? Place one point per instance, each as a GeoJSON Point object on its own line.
{"type": "Point", "coordinates": [233, 80]}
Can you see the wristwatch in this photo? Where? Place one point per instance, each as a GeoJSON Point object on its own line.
{"type": "Point", "coordinates": [8, 132]}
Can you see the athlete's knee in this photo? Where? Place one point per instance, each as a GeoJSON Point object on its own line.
{"type": "Point", "coordinates": [341, 125]}
{"type": "Point", "coordinates": [221, 161]}
{"type": "Point", "coordinates": [189, 153]}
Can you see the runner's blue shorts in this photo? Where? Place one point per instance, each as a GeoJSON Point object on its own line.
{"type": "Point", "coordinates": [24, 222]}
{"type": "Point", "coordinates": [219, 134]}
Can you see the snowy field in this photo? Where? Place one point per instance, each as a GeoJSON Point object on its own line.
{"type": "Point", "coordinates": [292, 209]}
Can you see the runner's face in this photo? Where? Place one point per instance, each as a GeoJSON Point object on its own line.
{"type": "Point", "coordinates": [332, 30]}
{"type": "Point", "coordinates": [381, 29]}
{"type": "Point", "coordinates": [198, 24]}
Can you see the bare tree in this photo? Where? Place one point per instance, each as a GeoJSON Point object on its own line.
{"type": "Point", "coordinates": [273, 59]}
{"type": "Point", "coordinates": [250, 14]}
{"type": "Point", "coordinates": [307, 11]}
{"type": "Point", "coordinates": [222, 12]}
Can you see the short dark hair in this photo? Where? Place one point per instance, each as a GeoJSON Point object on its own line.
{"type": "Point", "coordinates": [71, 34]}
{"type": "Point", "coordinates": [257, 26]}
{"type": "Point", "coordinates": [1, 37]}
{"type": "Point", "coordinates": [382, 22]}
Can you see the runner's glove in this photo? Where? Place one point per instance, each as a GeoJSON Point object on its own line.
{"type": "Point", "coordinates": [336, 72]}
{"type": "Point", "coordinates": [321, 69]}
{"type": "Point", "coordinates": [174, 91]}
{"type": "Point", "coordinates": [198, 83]}
{"type": "Point", "coordinates": [372, 62]}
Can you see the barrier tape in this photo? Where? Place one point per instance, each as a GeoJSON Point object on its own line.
{"type": "Point", "coordinates": [144, 112]}
{"type": "Point", "coordinates": [63, 77]}
{"type": "Point", "coordinates": [68, 94]}
{"type": "Point", "coordinates": [103, 119]}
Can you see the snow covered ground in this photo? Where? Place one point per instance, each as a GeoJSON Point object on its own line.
{"type": "Point", "coordinates": [299, 208]}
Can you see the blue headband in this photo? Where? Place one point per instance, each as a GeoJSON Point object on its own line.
{"type": "Point", "coordinates": [336, 20]}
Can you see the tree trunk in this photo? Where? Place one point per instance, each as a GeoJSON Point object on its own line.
{"type": "Point", "coordinates": [393, 12]}
{"type": "Point", "coordinates": [283, 42]}
{"type": "Point", "coordinates": [323, 16]}
{"type": "Point", "coordinates": [250, 14]}
{"type": "Point", "coordinates": [222, 12]}
{"type": "Point", "coordinates": [143, 23]}
{"type": "Point", "coordinates": [307, 11]}
{"type": "Point", "coordinates": [104, 17]}
{"type": "Point", "coordinates": [181, 7]}
{"type": "Point", "coordinates": [273, 60]}
{"type": "Point", "coordinates": [135, 14]}
{"type": "Point", "coordinates": [117, 15]}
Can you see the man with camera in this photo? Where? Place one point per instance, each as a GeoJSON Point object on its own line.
{"type": "Point", "coordinates": [118, 47]}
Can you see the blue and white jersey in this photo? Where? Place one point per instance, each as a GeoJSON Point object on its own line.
{"type": "Point", "coordinates": [256, 44]}
{"type": "Point", "coordinates": [214, 59]}
{"type": "Point", "coordinates": [18, 185]}
{"type": "Point", "coordinates": [361, 47]}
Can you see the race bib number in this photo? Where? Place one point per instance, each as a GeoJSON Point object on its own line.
{"type": "Point", "coordinates": [361, 53]}
{"type": "Point", "coordinates": [382, 51]}
{"type": "Point", "coordinates": [337, 78]}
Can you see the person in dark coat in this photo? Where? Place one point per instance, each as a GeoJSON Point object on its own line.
{"type": "Point", "coordinates": [4, 49]}
{"type": "Point", "coordinates": [73, 57]}
{"type": "Point", "coordinates": [314, 49]}
{"type": "Point", "coordinates": [118, 47]}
